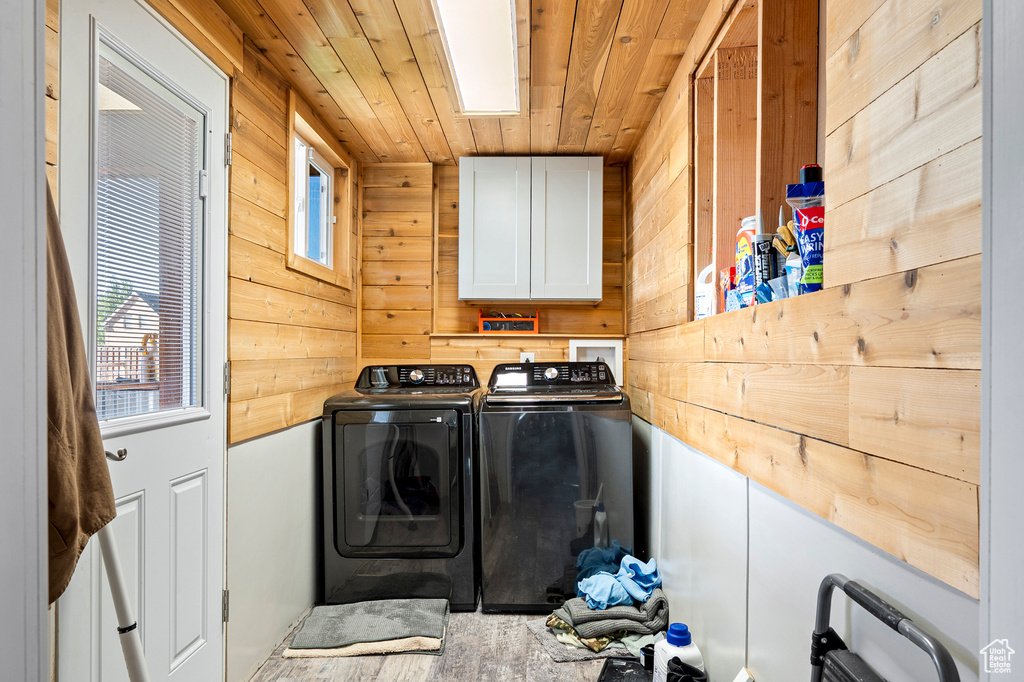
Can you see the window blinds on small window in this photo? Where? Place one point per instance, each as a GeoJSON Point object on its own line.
{"type": "Point", "coordinates": [149, 219]}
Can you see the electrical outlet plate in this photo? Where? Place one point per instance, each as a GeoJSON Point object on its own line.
{"type": "Point", "coordinates": [526, 357]}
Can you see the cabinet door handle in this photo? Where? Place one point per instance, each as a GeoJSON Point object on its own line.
{"type": "Point", "coordinates": [119, 457]}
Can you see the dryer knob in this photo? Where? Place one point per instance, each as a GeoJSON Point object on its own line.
{"type": "Point", "coordinates": [551, 373]}
{"type": "Point", "coordinates": [416, 376]}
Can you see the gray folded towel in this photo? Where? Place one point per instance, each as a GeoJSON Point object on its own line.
{"type": "Point", "coordinates": [649, 618]}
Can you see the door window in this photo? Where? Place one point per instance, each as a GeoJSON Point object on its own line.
{"type": "Point", "coordinates": [149, 218]}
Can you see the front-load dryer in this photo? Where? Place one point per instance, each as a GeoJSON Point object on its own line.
{"type": "Point", "coordinates": [398, 502]}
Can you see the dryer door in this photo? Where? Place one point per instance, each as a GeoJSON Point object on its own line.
{"type": "Point", "coordinates": [396, 486]}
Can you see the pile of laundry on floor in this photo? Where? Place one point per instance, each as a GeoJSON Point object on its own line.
{"type": "Point", "coordinates": [618, 599]}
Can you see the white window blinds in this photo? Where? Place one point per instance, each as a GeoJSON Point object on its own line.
{"type": "Point", "coordinates": [149, 220]}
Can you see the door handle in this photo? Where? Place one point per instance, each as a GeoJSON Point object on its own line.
{"type": "Point", "coordinates": [119, 457]}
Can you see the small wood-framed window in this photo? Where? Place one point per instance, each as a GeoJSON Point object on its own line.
{"type": "Point", "coordinates": [319, 198]}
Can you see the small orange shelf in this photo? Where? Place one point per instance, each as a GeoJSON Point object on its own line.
{"type": "Point", "coordinates": [509, 325]}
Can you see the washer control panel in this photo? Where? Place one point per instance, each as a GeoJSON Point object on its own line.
{"type": "Point", "coordinates": [539, 375]}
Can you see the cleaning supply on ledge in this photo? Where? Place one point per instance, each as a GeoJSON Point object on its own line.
{"type": "Point", "coordinates": [744, 279]}
{"type": "Point", "coordinates": [764, 260]}
{"type": "Point", "coordinates": [794, 273]}
{"type": "Point", "coordinates": [704, 296]}
{"type": "Point", "coordinates": [808, 201]}
{"type": "Point", "coordinates": [678, 643]}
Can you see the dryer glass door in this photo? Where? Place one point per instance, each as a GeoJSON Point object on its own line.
{"type": "Point", "coordinates": [396, 488]}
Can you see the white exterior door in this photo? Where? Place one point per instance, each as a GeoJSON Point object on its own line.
{"type": "Point", "coordinates": [567, 228]}
{"type": "Point", "coordinates": [143, 192]}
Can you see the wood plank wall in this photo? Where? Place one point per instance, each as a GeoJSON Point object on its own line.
{"type": "Point", "coordinates": [52, 32]}
{"type": "Point", "coordinates": [291, 338]}
{"type": "Point", "coordinates": [410, 307]}
{"type": "Point", "coordinates": [861, 402]}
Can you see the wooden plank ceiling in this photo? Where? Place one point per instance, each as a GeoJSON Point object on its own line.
{"type": "Point", "coordinates": [592, 73]}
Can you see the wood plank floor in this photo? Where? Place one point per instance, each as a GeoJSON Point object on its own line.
{"type": "Point", "coordinates": [480, 647]}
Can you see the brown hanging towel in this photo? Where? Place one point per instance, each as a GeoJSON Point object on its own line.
{"type": "Point", "coordinates": [81, 500]}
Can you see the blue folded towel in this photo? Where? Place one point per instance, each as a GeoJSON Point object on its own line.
{"type": "Point", "coordinates": [597, 560]}
{"type": "Point", "coordinates": [602, 590]}
{"type": "Point", "coordinates": [637, 578]}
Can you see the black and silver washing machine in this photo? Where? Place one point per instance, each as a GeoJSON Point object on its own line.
{"type": "Point", "coordinates": [553, 437]}
{"type": "Point", "coordinates": [398, 467]}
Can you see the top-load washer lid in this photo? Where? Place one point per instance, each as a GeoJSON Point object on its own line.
{"type": "Point", "coordinates": [563, 382]}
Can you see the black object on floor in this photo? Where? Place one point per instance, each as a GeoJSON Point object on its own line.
{"type": "Point", "coordinates": [684, 672]}
{"type": "Point", "coordinates": [831, 662]}
{"type": "Point", "coordinates": [624, 669]}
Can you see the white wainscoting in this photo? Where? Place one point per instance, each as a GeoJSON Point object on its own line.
{"type": "Point", "coordinates": [742, 565]}
{"type": "Point", "coordinates": [271, 542]}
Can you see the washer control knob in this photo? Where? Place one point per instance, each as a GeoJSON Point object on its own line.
{"type": "Point", "coordinates": [416, 376]}
{"type": "Point", "coordinates": [551, 373]}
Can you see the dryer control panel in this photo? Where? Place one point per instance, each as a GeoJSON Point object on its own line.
{"type": "Point", "coordinates": [384, 377]}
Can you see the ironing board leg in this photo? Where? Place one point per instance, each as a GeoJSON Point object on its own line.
{"type": "Point", "coordinates": [127, 628]}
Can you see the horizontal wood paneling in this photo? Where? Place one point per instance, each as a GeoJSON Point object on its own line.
{"type": "Point", "coordinates": [930, 112]}
{"type": "Point", "coordinates": [291, 337]}
{"type": "Point", "coordinates": [926, 418]}
{"type": "Point", "coordinates": [260, 379]}
{"type": "Point", "coordinates": [259, 416]}
{"type": "Point", "coordinates": [52, 102]}
{"type": "Point", "coordinates": [927, 216]}
{"type": "Point", "coordinates": [386, 272]}
{"type": "Point", "coordinates": [891, 42]}
{"type": "Point", "coordinates": [860, 402]}
{"type": "Point", "coordinates": [397, 298]}
{"type": "Point", "coordinates": [392, 346]}
{"type": "Point", "coordinates": [929, 317]}
{"type": "Point", "coordinates": [267, 341]}
{"type": "Point", "coordinates": [252, 301]}
{"type": "Point", "coordinates": [921, 517]}
{"type": "Point", "coordinates": [398, 224]}
{"type": "Point", "coordinates": [404, 322]}
{"type": "Point", "coordinates": [397, 261]}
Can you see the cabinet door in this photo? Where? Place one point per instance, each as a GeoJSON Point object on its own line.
{"type": "Point", "coordinates": [566, 228]}
{"type": "Point", "coordinates": [494, 228]}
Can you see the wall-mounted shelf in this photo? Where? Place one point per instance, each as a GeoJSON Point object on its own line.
{"type": "Point", "coordinates": [755, 114]}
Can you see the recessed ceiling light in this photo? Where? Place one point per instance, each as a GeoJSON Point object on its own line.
{"type": "Point", "coordinates": [479, 38]}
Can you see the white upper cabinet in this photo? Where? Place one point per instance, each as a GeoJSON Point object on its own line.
{"type": "Point", "coordinates": [566, 222]}
{"type": "Point", "coordinates": [530, 228]}
{"type": "Point", "coordinates": [494, 227]}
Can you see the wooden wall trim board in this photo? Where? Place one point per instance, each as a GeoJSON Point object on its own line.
{"type": "Point", "coordinates": [52, 101]}
{"type": "Point", "coordinates": [861, 402]}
